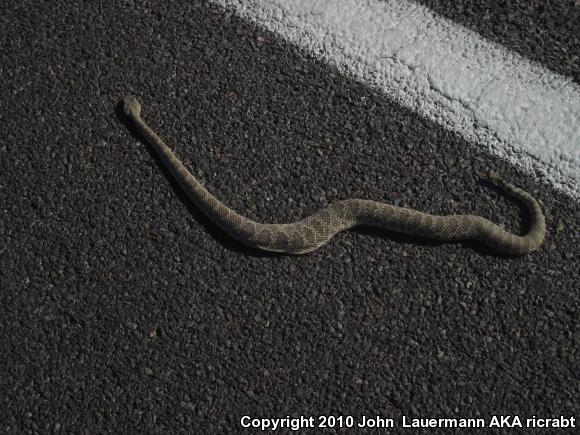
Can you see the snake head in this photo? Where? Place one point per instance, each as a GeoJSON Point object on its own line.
{"type": "Point", "coordinates": [131, 107]}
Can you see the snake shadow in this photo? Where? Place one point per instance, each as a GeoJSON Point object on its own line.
{"type": "Point", "coordinates": [411, 239]}
{"type": "Point", "coordinates": [232, 244]}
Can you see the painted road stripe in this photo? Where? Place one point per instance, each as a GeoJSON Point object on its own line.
{"type": "Point", "coordinates": [515, 108]}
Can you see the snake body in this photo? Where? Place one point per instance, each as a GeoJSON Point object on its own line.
{"type": "Point", "coordinates": [314, 231]}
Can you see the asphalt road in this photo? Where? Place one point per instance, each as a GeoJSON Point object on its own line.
{"type": "Point", "coordinates": [544, 31]}
{"type": "Point", "coordinates": [122, 309]}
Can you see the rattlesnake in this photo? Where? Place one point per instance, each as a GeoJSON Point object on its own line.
{"type": "Point", "coordinates": [316, 230]}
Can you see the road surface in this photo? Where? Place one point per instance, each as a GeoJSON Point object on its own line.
{"type": "Point", "coordinates": [122, 309]}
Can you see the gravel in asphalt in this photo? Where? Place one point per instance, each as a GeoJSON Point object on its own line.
{"type": "Point", "coordinates": [122, 309]}
{"type": "Point", "coordinates": [547, 32]}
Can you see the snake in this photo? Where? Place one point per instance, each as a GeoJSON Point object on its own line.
{"type": "Point", "coordinates": [316, 230]}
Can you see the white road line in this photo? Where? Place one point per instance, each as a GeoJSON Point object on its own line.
{"type": "Point", "coordinates": [495, 98]}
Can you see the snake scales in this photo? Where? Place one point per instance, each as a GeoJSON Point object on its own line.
{"type": "Point", "coordinates": [316, 230]}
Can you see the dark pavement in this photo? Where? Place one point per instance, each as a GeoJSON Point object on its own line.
{"type": "Point", "coordinates": [122, 309]}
